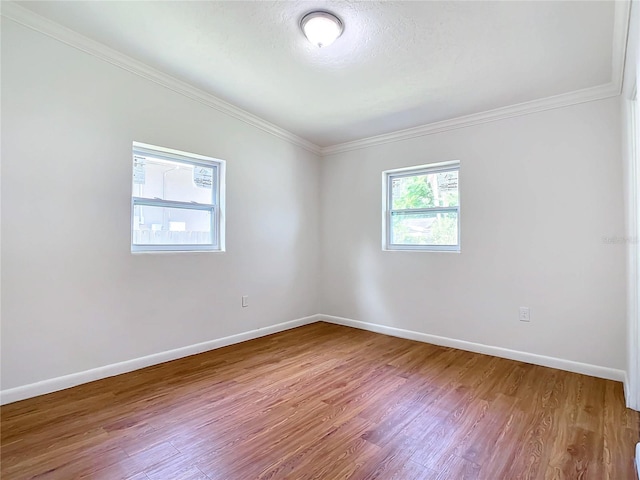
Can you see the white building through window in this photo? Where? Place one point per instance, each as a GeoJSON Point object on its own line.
{"type": "Point", "coordinates": [177, 201]}
{"type": "Point", "coordinates": [422, 208]}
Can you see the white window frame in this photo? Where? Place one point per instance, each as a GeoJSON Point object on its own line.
{"type": "Point", "coordinates": [387, 181]}
{"type": "Point", "coordinates": [217, 207]}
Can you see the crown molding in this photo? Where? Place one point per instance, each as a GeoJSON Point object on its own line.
{"type": "Point", "coordinates": [557, 101]}
{"type": "Point", "coordinates": [65, 35]}
{"type": "Point", "coordinates": [612, 89]}
{"type": "Point", "coordinates": [47, 27]}
{"type": "Point", "coordinates": [621, 23]}
{"type": "Point", "coordinates": [632, 55]}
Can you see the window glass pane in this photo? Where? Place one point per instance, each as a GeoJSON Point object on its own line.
{"type": "Point", "coordinates": [172, 180]}
{"type": "Point", "coordinates": [425, 191]}
{"type": "Point", "coordinates": [424, 228]}
{"type": "Point", "coordinates": [171, 226]}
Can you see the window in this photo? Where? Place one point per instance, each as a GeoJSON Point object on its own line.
{"type": "Point", "coordinates": [422, 208]}
{"type": "Point", "coordinates": [177, 201]}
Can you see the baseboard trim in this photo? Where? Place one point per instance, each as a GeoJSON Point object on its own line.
{"type": "Point", "coordinates": [542, 360]}
{"type": "Point", "coordinates": [628, 395]}
{"type": "Point", "coordinates": [67, 381]}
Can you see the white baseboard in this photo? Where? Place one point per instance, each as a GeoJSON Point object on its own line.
{"type": "Point", "coordinates": [631, 393]}
{"type": "Point", "coordinates": [628, 392]}
{"type": "Point", "coordinates": [67, 381]}
{"type": "Point", "coordinates": [638, 459]}
{"type": "Point", "coordinates": [553, 362]}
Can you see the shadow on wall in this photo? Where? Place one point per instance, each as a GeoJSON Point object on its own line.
{"type": "Point", "coordinates": [370, 295]}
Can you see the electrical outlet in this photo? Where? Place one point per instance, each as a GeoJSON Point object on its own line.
{"type": "Point", "coordinates": [525, 314]}
{"type": "Point", "coordinates": [245, 300]}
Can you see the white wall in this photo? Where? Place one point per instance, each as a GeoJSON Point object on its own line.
{"type": "Point", "coordinates": [630, 156]}
{"type": "Point", "coordinates": [73, 296]}
{"type": "Point", "coordinates": [538, 194]}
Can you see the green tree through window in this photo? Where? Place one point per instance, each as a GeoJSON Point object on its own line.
{"type": "Point", "coordinates": [412, 192]}
{"type": "Point", "coordinates": [424, 209]}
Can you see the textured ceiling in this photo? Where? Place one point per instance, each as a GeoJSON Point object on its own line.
{"type": "Point", "coordinates": [397, 64]}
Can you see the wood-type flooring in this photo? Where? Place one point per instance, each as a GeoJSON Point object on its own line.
{"type": "Point", "coordinates": [326, 402]}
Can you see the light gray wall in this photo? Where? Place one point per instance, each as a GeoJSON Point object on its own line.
{"type": "Point", "coordinates": [630, 157]}
{"type": "Point", "coordinates": [539, 193]}
{"type": "Point", "coordinates": [73, 296]}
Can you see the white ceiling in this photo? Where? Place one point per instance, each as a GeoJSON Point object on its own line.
{"type": "Point", "coordinates": [397, 65]}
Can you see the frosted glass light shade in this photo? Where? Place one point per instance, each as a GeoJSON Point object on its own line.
{"type": "Point", "coordinates": [321, 28]}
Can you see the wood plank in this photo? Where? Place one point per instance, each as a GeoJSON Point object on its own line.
{"type": "Point", "coordinates": [325, 402]}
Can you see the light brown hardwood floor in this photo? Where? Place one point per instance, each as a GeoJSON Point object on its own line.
{"type": "Point", "coordinates": [326, 402]}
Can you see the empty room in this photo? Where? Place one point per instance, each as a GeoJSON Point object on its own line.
{"type": "Point", "coordinates": [320, 240]}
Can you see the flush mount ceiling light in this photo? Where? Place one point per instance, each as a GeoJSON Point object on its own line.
{"type": "Point", "coordinates": [321, 28]}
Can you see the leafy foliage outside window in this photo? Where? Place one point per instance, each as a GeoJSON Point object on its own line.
{"type": "Point", "coordinates": [424, 209]}
{"type": "Point", "coordinates": [412, 192]}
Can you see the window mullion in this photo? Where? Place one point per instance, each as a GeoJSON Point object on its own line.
{"type": "Point", "coordinates": [157, 202]}
{"type": "Point", "coordinates": [417, 211]}
{"type": "Point", "coordinates": [192, 223]}
{"type": "Point", "coordinates": [430, 228]}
